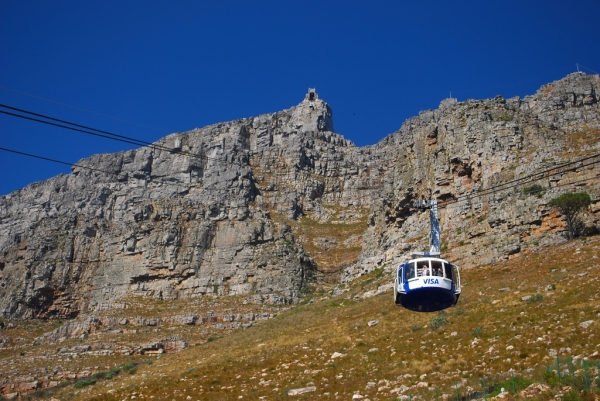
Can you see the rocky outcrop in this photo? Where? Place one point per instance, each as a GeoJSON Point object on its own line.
{"type": "Point", "coordinates": [180, 219]}
{"type": "Point", "coordinates": [478, 158]}
{"type": "Point", "coordinates": [214, 211]}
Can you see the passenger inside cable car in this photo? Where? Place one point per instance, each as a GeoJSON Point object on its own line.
{"type": "Point", "coordinates": [425, 268]}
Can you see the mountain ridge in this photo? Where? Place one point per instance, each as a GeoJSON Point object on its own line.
{"type": "Point", "coordinates": [240, 217]}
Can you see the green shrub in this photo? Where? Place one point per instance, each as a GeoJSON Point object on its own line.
{"type": "Point", "coordinates": [85, 382]}
{"type": "Point", "coordinates": [505, 116]}
{"type": "Point", "coordinates": [534, 299]}
{"type": "Point", "coordinates": [570, 205]}
{"type": "Point", "coordinates": [551, 378]}
{"type": "Point", "coordinates": [438, 321]}
{"type": "Point", "coordinates": [130, 368]}
{"type": "Point", "coordinates": [520, 383]}
{"type": "Point", "coordinates": [477, 331]}
{"type": "Point", "coordinates": [103, 374]}
{"type": "Point", "coordinates": [512, 385]}
{"type": "Point", "coordinates": [107, 374]}
{"type": "Point", "coordinates": [572, 395]}
{"type": "Point", "coordinates": [536, 190]}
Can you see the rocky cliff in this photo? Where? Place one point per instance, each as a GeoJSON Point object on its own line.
{"type": "Point", "coordinates": [271, 204]}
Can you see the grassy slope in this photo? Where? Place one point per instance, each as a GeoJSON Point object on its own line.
{"type": "Point", "coordinates": [491, 331]}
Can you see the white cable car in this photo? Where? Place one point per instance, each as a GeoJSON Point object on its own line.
{"type": "Point", "coordinates": [427, 283]}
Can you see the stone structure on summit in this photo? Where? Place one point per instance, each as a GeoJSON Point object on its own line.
{"type": "Point", "coordinates": [214, 211]}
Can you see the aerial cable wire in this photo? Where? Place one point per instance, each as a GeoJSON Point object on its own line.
{"type": "Point", "coordinates": [121, 138]}
{"type": "Point", "coordinates": [450, 204]}
{"type": "Point", "coordinates": [81, 109]}
{"type": "Point", "coordinates": [148, 180]}
{"type": "Point", "coordinates": [542, 173]}
{"type": "Point", "coordinates": [70, 123]}
{"type": "Point", "coordinates": [445, 205]}
{"type": "Point", "coordinates": [79, 127]}
{"type": "Point", "coordinates": [587, 68]}
{"type": "Point", "coordinates": [54, 160]}
{"type": "Point", "coordinates": [532, 177]}
{"type": "Point", "coordinates": [107, 135]}
{"type": "Point", "coordinates": [116, 137]}
{"type": "Point", "coordinates": [527, 179]}
{"type": "Point", "coordinates": [523, 180]}
{"type": "Point", "coordinates": [67, 127]}
{"type": "Point", "coordinates": [597, 177]}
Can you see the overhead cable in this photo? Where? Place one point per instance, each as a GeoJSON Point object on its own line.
{"type": "Point", "coordinates": [451, 204]}
{"type": "Point", "coordinates": [103, 134]}
{"type": "Point", "coordinates": [150, 180]}
{"type": "Point", "coordinates": [81, 109]}
{"type": "Point", "coordinates": [532, 177]}
{"type": "Point", "coordinates": [52, 121]}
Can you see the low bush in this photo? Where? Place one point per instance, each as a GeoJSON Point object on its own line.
{"type": "Point", "coordinates": [536, 190]}
{"type": "Point", "coordinates": [512, 385]}
{"type": "Point", "coordinates": [107, 374]}
{"type": "Point", "coordinates": [551, 378]}
{"type": "Point", "coordinates": [130, 368]}
{"type": "Point", "coordinates": [438, 321]}
{"type": "Point", "coordinates": [534, 299]}
{"type": "Point", "coordinates": [85, 382]}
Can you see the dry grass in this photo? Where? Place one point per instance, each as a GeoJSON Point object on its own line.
{"type": "Point", "coordinates": [581, 143]}
{"type": "Point", "coordinates": [490, 332]}
{"type": "Point", "coordinates": [334, 243]}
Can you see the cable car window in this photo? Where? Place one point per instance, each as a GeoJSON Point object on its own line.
{"type": "Point", "coordinates": [448, 271]}
{"type": "Point", "coordinates": [437, 268]}
{"type": "Point", "coordinates": [409, 271]}
{"type": "Point", "coordinates": [456, 276]}
{"type": "Point", "coordinates": [423, 269]}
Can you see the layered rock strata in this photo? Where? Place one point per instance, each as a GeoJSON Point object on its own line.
{"type": "Point", "coordinates": [213, 211]}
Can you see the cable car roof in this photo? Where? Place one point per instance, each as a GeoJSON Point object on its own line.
{"type": "Point", "coordinates": [424, 258]}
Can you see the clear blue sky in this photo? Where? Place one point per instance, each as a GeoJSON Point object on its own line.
{"type": "Point", "coordinates": [177, 65]}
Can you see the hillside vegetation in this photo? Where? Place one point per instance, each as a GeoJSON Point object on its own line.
{"type": "Point", "coordinates": [514, 320]}
{"type": "Point", "coordinates": [254, 259]}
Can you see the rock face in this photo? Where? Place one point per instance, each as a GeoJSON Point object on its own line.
{"type": "Point", "coordinates": [478, 158]}
{"type": "Point", "coordinates": [215, 211]}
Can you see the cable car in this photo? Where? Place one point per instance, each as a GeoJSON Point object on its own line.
{"type": "Point", "coordinates": [427, 283]}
